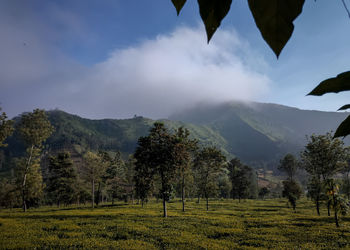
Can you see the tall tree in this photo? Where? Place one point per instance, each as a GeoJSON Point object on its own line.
{"type": "Point", "coordinates": [208, 164]}
{"type": "Point", "coordinates": [94, 168]}
{"type": "Point", "coordinates": [129, 177]}
{"type": "Point", "coordinates": [337, 202]}
{"type": "Point", "coordinates": [183, 157]}
{"type": "Point", "coordinates": [8, 193]}
{"type": "Point", "coordinates": [240, 176]}
{"type": "Point", "coordinates": [322, 158]}
{"type": "Point", "coordinates": [115, 174]}
{"type": "Point", "coordinates": [61, 184]}
{"type": "Point", "coordinates": [34, 187]}
{"type": "Point", "coordinates": [6, 128]}
{"type": "Point", "coordinates": [292, 191]}
{"type": "Point", "coordinates": [345, 188]}
{"type": "Point", "coordinates": [289, 165]}
{"type": "Point", "coordinates": [154, 155]}
{"type": "Point", "coordinates": [34, 129]}
{"type": "Point", "coordinates": [263, 192]}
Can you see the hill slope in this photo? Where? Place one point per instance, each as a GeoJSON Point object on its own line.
{"type": "Point", "coordinates": [259, 134]}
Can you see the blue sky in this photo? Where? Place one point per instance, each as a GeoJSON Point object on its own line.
{"type": "Point", "coordinates": [117, 58]}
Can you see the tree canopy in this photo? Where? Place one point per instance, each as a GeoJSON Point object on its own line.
{"type": "Point", "coordinates": [6, 128]}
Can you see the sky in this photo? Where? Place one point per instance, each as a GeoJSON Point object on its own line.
{"type": "Point", "coordinates": [118, 58]}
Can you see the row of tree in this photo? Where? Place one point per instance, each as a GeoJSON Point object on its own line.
{"type": "Point", "coordinates": [326, 162]}
{"type": "Point", "coordinates": [165, 165]}
{"type": "Point", "coordinates": [165, 159]}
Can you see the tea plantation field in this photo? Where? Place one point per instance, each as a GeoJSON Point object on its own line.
{"type": "Point", "coordinates": [228, 225]}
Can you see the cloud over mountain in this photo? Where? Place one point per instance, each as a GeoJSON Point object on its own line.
{"type": "Point", "coordinates": [154, 78]}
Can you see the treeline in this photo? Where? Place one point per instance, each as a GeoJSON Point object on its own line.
{"type": "Point", "coordinates": [326, 162]}
{"type": "Point", "coordinates": [166, 164]}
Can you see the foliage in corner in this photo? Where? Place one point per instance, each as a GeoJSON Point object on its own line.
{"type": "Point", "coordinates": [178, 5]}
{"type": "Point", "coordinates": [335, 85]}
{"type": "Point", "coordinates": [274, 19]}
{"type": "Point", "coordinates": [212, 13]}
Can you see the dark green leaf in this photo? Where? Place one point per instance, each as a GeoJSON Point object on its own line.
{"type": "Point", "coordinates": [336, 84]}
{"type": "Point", "coordinates": [178, 5]}
{"type": "Point", "coordinates": [212, 13]}
{"type": "Point", "coordinates": [274, 19]}
{"type": "Point", "coordinates": [343, 129]}
{"type": "Point", "coordinates": [347, 106]}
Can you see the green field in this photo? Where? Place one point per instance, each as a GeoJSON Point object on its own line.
{"type": "Point", "coordinates": [228, 225]}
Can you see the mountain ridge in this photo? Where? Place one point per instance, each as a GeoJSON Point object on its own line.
{"type": "Point", "coordinates": [257, 133]}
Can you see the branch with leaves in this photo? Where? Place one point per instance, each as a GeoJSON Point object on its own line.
{"type": "Point", "coordinates": [274, 19]}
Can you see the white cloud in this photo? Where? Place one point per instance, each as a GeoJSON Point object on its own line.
{"type": "Point", "coordinates": [172, 72]}
{"type": "Point", "coordinates": [154, 79]}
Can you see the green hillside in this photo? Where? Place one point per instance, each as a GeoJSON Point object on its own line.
{"type": "Point", "coordinates": [259, 134]}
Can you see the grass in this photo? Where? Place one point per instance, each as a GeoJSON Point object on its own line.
{"type": "Point", "coordinates": [228, 225]}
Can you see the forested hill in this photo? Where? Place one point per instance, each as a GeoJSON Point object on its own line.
{"type": "Point", "coordinates": [262, 131]}
{"type": "Point", "coordinates": [259, 134]}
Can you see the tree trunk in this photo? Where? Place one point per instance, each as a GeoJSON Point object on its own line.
{"type": "Point", "coordinates": [318, 206]}
{"type": "Point", "coordinates": [93, 193]}
{"type": "Point", "coordinates": [335, 211]}
{"type": "Point", "coordinates": [207, 203]}
{"type": "Point", "coordinates": [164, 208]}
{"type": "Point", "coordinates": [183, 193]}
{"type": "Point", "coordinates": [97, 201]}
{"type": "Point", "coordinates": [142, 203]}
{"type": "Point", "coordinates": [336, 218]}
{"type": "Point", "coordinates": [25, 178]}
{"type": "Point", "coordinates": [329, 208]}
{"type": "Point", "coordinates": [198, 198]}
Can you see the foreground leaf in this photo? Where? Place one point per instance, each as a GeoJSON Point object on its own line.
{"type": "Point", "coordinates": [212, 13]}
{"type": "Point", "coordinates": [336, 84]}
{"type": "Point", "coordinates": [274, 19]}
{"type": "Point", "coordinates": [347, 106]}
{"type": "Point", "coordinates": [343, 129]}
{"type": "Point", "coordinates": [178, 5]}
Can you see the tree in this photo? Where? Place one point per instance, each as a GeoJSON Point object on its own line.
{"type": "Point", "coordinates": [6, 128]}
{"type": "Point", "coordinates": [263, 192]}
{"type": "Point", "coordinates": [289, 165]}
{"type": "Point", "coordinates": [345, 188]}
{"type": "Point", "coordinates": [115, 174]}
{"type": "Point", "coordinates": [208, 164]}
{"type": "Point", "coordinates": [34, 129]}
{"type": "Point", "coordinates": [292, 191]}
{"type": "Point", "coordinates": [274, 19]}
{"type": "Point", "coordinates": [61, 185]}
{"type": "Point", "coordinates": [8, 193]}
{"type": "Point", "coordinates": [322, 158]}
{"type": "Point", "coordinates": [33, 192]}
{"type": "Point", "coordinates": [94, 168]}
{"type": "Point", "coordinates": [338, 203]}
{"type": "Point", "coordinates": [155, 155]}
{"type": "Point", "coordinates": [239, 175]}
{"type": "Point", "coordinates": [129, 177]}
{"type": "Point", "coordinates": [143, 181]}
{"type": "Point", "coordinates": [183, 154]}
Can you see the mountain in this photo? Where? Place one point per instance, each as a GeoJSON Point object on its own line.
{"type": "Point", "coordinates": [258, 133]}
{"type": "Point", "coordinates": [262, 131]}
